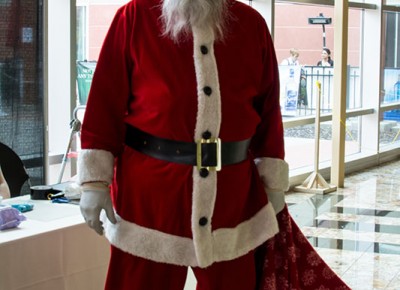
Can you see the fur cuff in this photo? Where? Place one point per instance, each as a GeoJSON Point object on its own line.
{"type": "Point", "coordinates": [95, 165]}
{"type": "Point", "coordinates": [274, 173]}
{"type": "Point", "coordinates": [275, 176]}
{"type": "Point", "coordinates": [277, 199]}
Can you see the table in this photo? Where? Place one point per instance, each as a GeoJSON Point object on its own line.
{"type": "Point", "coordinates": [52, 250]}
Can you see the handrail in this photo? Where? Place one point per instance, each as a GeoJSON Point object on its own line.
{"type": "Point", "coordinates": [390, 8]}
{"type": "Point", "coordinates": [300, 121]}
{"type": "Point", "coordinates": [390, 106]}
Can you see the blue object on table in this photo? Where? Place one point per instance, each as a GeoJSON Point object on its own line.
{"type": "Point", "coordinates": [60, 200]}
{"type": "Point", "coordinates": [23, 207]}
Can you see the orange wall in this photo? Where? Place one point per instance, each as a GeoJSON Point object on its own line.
{"type": "Point", "coordinates": [100, 18]}
{"type": "Point", "coordinates": [291, 30]}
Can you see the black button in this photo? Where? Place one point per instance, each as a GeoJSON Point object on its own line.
{"type": "Point", "coordinates": [203, 221]}
{"type": "Point", "coordinates": [207, 90]}
{"type": "Point", "coordinates": [203, 172]}
{"type": "Point", "coordinates": [206, 135]}
{"type": "Point", "coordinates": [204, 49]}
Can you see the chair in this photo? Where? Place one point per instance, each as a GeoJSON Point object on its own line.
{"type": "Point", "coordinates": [13, 170]}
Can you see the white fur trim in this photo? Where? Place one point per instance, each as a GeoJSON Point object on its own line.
{"type": "Point", "coordinates": [204, 194]}
{"type": "Point", "coordinates": [148, 243]}
{"type": "Point", "coordinates": [233, 243]}
{"type": "Point", "coordinates": [228, 243]}
{"type": "Point", "coordinates": [208, 119]}
{"type": "Point", "coordinates": [209, 107]}
{"type": "Point", "coordinates": [95, 165]}
{"type": "Point", "coordinates": [277, 199]}
{"type": "Point", "coordinates": [274, 173]}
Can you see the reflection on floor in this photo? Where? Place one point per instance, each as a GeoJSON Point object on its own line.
{"type": "Point", "coordinates": [356, 229]}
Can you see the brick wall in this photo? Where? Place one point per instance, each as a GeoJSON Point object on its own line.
{"type": "Point", "coordinates": [19, 47]}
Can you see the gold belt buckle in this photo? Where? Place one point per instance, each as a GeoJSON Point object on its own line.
{"type": "Point", "coordinates": [199, 164]}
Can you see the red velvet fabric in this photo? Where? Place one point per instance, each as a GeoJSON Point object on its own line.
{"type": "Point", "coordinates": [155, 90]}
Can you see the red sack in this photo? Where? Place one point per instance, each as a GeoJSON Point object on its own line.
{"type": "Point", "coordinates": [291, 262]}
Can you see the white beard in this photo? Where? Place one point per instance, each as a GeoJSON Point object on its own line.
{"type": "Point", "coordinates": [180, 15]}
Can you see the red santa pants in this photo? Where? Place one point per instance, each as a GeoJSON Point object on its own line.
{"type": "Point", "coordinates": [127, 272]}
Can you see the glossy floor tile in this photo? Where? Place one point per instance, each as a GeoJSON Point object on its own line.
{"type": "Point", "coordinates": [356, 229]}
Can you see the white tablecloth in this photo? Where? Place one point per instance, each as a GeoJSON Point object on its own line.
{"type": "Point", "coordinates": [52, 250]}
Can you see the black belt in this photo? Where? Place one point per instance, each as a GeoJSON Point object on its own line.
{"type": "Point", "coordinates": [206, 153]}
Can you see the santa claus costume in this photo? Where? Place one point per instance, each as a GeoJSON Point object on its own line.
{"type": "Point", "coordinates": [153, 99]}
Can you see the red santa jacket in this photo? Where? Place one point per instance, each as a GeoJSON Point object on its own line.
{"type": "Point", "coordinates": [147, 80]}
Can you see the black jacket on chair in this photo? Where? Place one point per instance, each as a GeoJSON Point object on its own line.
{"type": "Point", "coordinates": [13, 169]}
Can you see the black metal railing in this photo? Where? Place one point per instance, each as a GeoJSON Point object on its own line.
{"type": "Point", "coordinates": [308, 90]}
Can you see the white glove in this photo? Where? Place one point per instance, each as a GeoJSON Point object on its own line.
{"type": "Point", "coordinates": [93, 200]}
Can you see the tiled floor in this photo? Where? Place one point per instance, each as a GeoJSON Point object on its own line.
{"type": "Point", "coordinates": [357, 228]}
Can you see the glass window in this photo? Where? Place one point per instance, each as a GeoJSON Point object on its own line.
{"type": "Point", "coordinates": [354, 100]}
{"type": "Point", "coordinates": [392, 2]}
{"type": "Point", "coordinates": [21, 84]}
{"type": "Point", "coordinates": [299, 39]}
{"type": "Point", "coordinates": [98, 23]}
{"type": "Point", "coordinates": [81, 33]}
{"type": "Point", "coordinates": [93, 21]}
{"type": "Point", "coordinates": [308, 30]}
{"type": "Point", "coordinates": [5, 2]}
{"type": "Point", "coordinates": [390, 117]}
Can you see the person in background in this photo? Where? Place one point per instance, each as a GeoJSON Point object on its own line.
{"type": "Point", "coordinates": [183, 150]}
{"type": "Point", "coordinates": [4, 190]}
{"type": "Point", "coordinates": [293, 58]}
{"type": "Point", "coordinates": [325, 58]}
